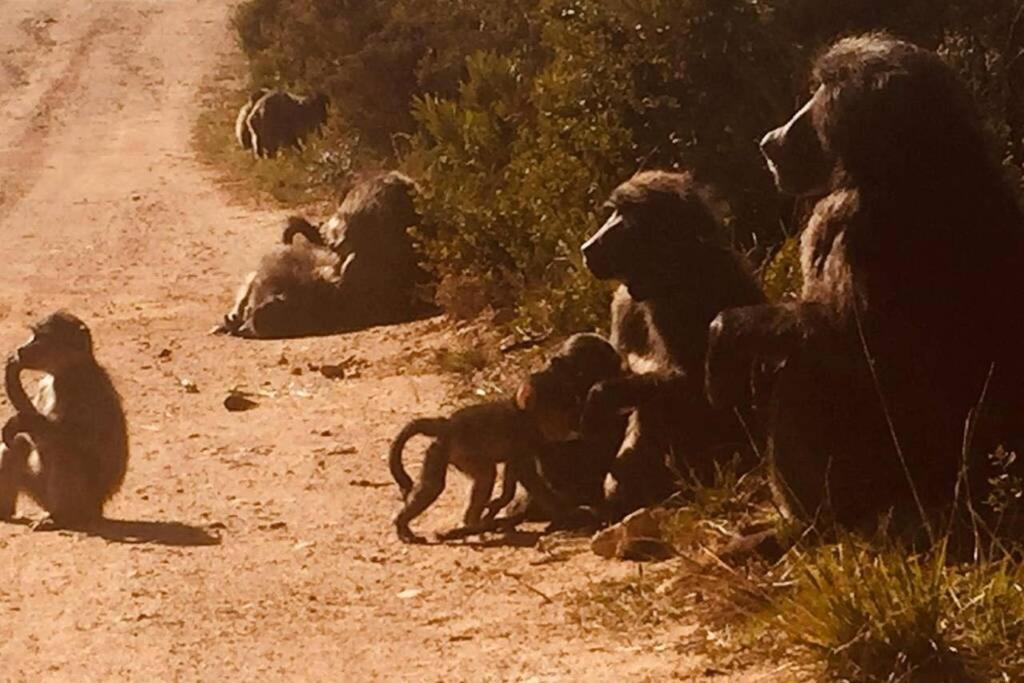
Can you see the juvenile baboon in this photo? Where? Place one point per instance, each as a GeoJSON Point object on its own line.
{"type": "Point", "coordinates": [573, 463]}
{"type": "Point", "coordinates": [908, 323]}
{"type": "Point", "coordinates": [666, 242]}
{"type": "Point", "coordinates": [475, 440]}
{"type": "Point", "coordinates": [242, 133]}
{"type": "Point", "coordinates": [357, 270]}
{"type": "Point", "coordinates": [68, 449]}
{"type": "Point", "coordinates": [279, 119]}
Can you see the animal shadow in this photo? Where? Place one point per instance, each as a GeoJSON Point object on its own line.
{"type": "Point", "coordinates": [134, 532]}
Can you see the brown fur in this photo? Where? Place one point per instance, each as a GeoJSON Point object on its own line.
{"type": "Point", "coordinates": [574, 464]}
{"type": "Point", "coordinates": [667, 243]}
{"type": "Point", "coordinates": [68, 449]}
{"type": "Point", "coordinates": [279, 119]}
{"type": "Point", "coordinates": [909, 259]}
{"type": "Point", "coordinates": [475, 440]}
{"type": "Point", "coordinates": [357, 270]}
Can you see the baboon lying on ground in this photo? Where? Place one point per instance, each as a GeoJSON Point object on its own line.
{"type": "Point", "coordinates": [68, 450]}
{"type": "Point", "coordinates": [574, 464]}
{"type": "Point", "coordinates": [665, 242]}
{"type": "Point", "coordinates": [296, 291]}
{"type": "Point", "coordinates": [357, 270]}
{"type": "Point", "coordinates": [279, 119]}
{"type": "Point", "coordinates": [242, 133]}
{"type": "Point", "coordinates": [910, 259]}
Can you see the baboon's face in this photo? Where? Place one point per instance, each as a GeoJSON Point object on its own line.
{"type": "Point", "coordinates": [57, 342]}
{"type": "Point", "coordinates": [795, 153]}
{"type": "Point", "coordinates": [643, 246]}
{"type": "Point", "coordinates": [554, 408]}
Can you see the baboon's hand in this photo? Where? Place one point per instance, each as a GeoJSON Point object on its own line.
{"type": "Point", "coordinates": [11, 429]}
{"type": "Point", "coordinates": [726, 373]}
{"type": "Point", "coordinates": [603, 403]}
{"type": "Point", "coordinates": [21, 423]}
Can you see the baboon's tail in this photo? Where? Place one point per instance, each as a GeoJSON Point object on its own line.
{"type": "Point", "coordinates": [297, 225]}
{"type": "Point", "coordinates": [427, 426]}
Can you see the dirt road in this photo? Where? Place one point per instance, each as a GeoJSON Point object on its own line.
{"type": "Point", "coordinates": [257, 545]}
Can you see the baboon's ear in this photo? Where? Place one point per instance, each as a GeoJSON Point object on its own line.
{"type": "Point", "coordinates": [525, 395]}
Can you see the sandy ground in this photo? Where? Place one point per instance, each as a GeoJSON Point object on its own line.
{"type": "Point", "coordinates": [250, 546]}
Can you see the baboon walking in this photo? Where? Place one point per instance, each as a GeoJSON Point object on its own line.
{"type": "Point", "coordinates": [475, 440]}
{"type": "Point", "coordinates": [68, 449]}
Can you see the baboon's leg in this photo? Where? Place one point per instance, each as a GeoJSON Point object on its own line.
{"type": "Point", "coordinates": [508, 492]}
{"type": "Point", "coordinates": [559, 512]}
{"type": "Point", "coordinates": [480, 495]}
{"type": "Point", "coordinates": [13, 464]}
{"type": "Point", "coordinates": [70, 496]}
{"type": "Point", "coordinates": [426, 491]}
{"type": "Point", "coordinates": [236, 316]}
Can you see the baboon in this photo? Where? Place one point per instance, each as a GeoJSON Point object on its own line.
{"type": "Point", "coordinates": [279, 119]}
{"type": "Point", "coordinates": [574, 464]}
{"type": "Point", "coordinates": [296, 291]}
{"type": "Point", "coordinates": [357, 270]}
{"type": "Point", "coordinates": [667, 243]}
{"type": "Point", "coordinates": [67, 449]}
{"type": "Point", "coordinates": [908, 323]}
{"type": "Point", "coordinates": [242, 133]}
{"type": "Point", "coordinates": [475, 440]}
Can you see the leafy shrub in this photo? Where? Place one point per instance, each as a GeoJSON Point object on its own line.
{"type": "Point", "coordinates": [519, 117]}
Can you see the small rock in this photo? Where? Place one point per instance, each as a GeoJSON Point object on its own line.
{"type": "Point", "coordinates": [637, 537]}
{"type": "Point", "coordinates": [237, 401]}
{"type": "Point", "coordinates": [188, 385]}
{"type": "Point", "coordinates": [333, 371]}
{"type": "Point", "coordinates": [410, 594]}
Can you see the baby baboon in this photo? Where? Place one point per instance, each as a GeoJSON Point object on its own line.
{"type": "Point", "coordinates": [574, 464]}
{"type": "Point", "coordinates": [476, 440]}
{"type": "Point", "coordinates": [68, 449]}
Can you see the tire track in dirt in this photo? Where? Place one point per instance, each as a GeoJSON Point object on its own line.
{"type": "Point", "coordinates": [24, 157]}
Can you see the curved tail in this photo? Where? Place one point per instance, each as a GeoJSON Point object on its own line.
{"type": "Point", "coordinates": [427, 426]}
{"type": "Point", "coordinates": [297, 225]}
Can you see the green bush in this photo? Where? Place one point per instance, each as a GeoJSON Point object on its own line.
{"type": "Point", "coordinates": [519, 117]}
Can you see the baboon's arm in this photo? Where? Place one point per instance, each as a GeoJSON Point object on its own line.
{"type": "Point", "coordinates": [739, 337]}
{"type": "Point", "coordinates": [15, 391]}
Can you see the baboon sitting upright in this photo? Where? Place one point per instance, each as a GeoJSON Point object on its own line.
{"type": "Point", "coordinates": [666, 243]}
{"type": "Point", "coordinates": [908, 325]}
{"type": "Point", "coordinates": [68, 450]}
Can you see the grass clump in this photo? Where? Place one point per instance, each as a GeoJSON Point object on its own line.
{"type": "Point", "coordinates": [878, 613]}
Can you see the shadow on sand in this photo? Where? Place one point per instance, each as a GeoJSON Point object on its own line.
{"type": "Point", "coordinates": [176, 534]}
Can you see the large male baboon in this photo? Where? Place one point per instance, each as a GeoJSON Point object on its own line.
{"type": "Point", "coordinates": [909, 319]}
{"type": "Point", "coordinates": [357, 270]}
{"type": "Point", "coordinates": [67, 449]}
{"type": "Point", "coordinates": [665, 242]}
{"type": "Point", "coordinates": [279, 119]}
